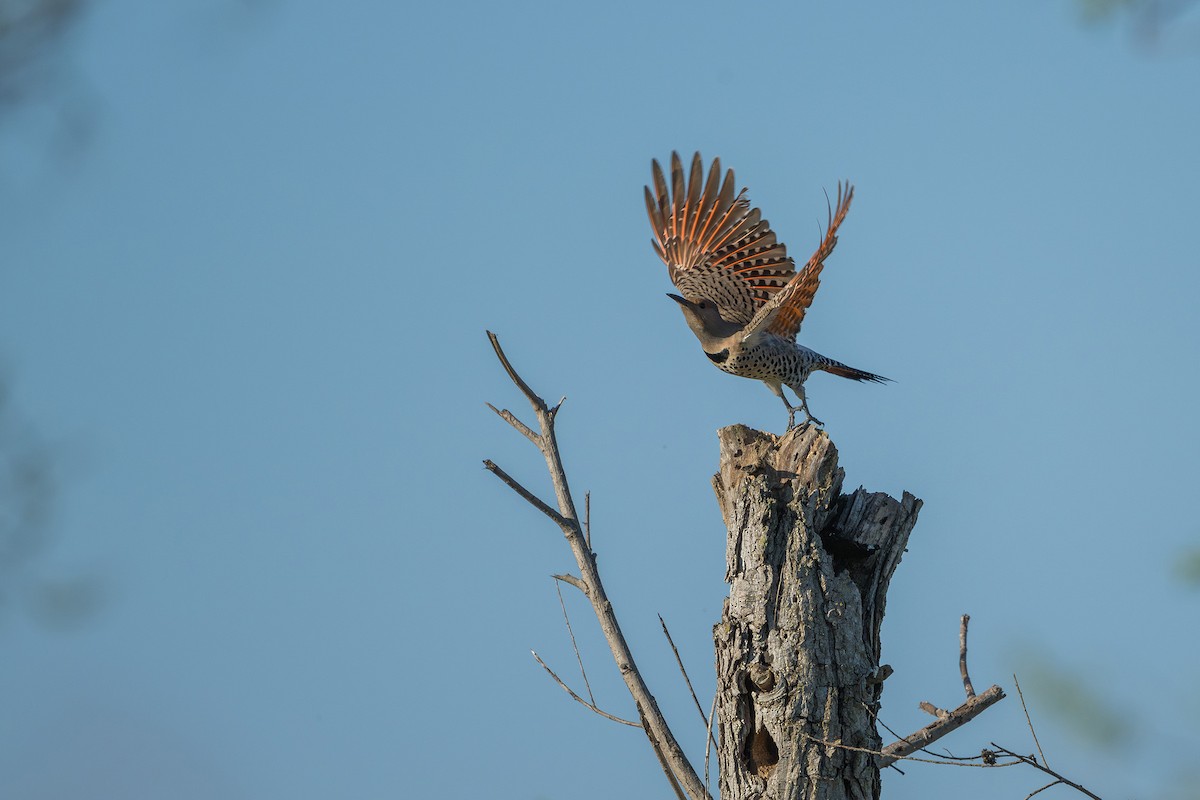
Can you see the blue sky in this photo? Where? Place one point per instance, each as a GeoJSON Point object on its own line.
{"type": "Point", "coordinates": [247, 312]}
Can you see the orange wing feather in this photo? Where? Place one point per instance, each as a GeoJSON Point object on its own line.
{"type": "Point", "coordinates": [797, 296]}
{"type": "Point", "coordinates": [714, 244]}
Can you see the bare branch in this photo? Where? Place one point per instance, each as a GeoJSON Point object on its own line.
{"type": "Point", "coordinates": [533, 499]}
{"type": "Point", "coordinates": [1033, 762]}
{"type": "Point", "coordinates": [709, 734]}
{"type": "Point", "coordinates": [574, 646]}
{"type": "Point", "coordinates": [579, 699]}
{"type": "Point", "coordinates": [936, 730]}
{"type": "Point", "coordinates": [587, 519]}
{"type": "Point", "coordinates": [1028, 721]}
{"type": "Point", "coordinates": [946, 756]}
{"type": "Point", "coordinates": [932, 710]}
{"type": "Point", "coordinates": [571, 579]}
{"type": "Point", "coordinates": [662, 757]}
{"type": "Point", "coordinates": [682, 669]}
{"type": "Point", "coordinates": [538, 403]}
{"type": "Point", "coordinates": [511, 419]}
{"type": "Point", "coordinates": [1044, 788]}
{"type": "Point", "coordinates": [987, 757]}
{"type": "Point", "coordinates": [947, 720]}
{"type": "Point", "coordinates": [962, 656]}
{"type": "Point", "coordinates": [681, 773]}
{"type": "Point", "coordinates": [548, 444]}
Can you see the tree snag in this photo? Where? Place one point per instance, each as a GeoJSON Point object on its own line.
{"type": "Point", "coordinates": [797, 648]}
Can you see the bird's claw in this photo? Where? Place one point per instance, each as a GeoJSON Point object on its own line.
{"type": "Point", "coordinates": [792, 425]}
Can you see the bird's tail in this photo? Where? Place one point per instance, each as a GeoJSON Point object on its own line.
{"type": "Point", "coordinates": [838, 368]}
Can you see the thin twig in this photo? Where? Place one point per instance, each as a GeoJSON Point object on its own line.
{"type": "Point", "coordinates": [533, 499]}
{"type": "Point", "coordinates": [682, 669]}
{"type": "Point", "coordinates": [574, 646]}
{"type": "Point", "coordinates": [1028, 721]}
{"type": "Point", "coordinates": [708, 750]}
{"type": "Point", "coordinates": [511, 419]}
{"type": "Point", "coordinates": [887, 757]}
{"type": "Point", "coordinates": [1033, 762]}
{"type": "Point", "coordinates": [579, 699]}
{"type": "Point", "coordinates": [587, 519]}
{"type": "Point", "coordinates": [875, 717]}
{"type": "Point", "coordinates": [962, 656]}
{"type": "Point", "coordinates": [1044, 788]}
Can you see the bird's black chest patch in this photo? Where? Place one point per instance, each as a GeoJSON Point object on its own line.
{"type": "Point", "coordinates": [718, 358]}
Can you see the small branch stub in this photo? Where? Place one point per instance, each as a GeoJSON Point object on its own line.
{"type": "Point", "coordinates": [962, 656]}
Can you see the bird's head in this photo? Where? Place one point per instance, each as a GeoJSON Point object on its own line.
{"type": "Point", "coordinates": [704, 318]}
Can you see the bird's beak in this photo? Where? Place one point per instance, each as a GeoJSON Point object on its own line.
{"type": "Point", "coordinates": [679, 300]}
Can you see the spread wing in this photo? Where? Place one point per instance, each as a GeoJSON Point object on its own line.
{"type": "Point", "coordinates": [783, 314]}
{"type": "Point", "coordinates": [716, 247]}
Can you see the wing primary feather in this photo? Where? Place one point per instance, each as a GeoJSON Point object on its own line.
{"type": "Point", "coordinates": [785, 312]}
{"type": "Point", "coordinates": [652, 210]}
{"type": "Point", "coordinates": [660, 190]}
{"type": "Point", "coordinates": [726, 203]}
{"type": "Point", "coordinates": [712, 189]}
{"type": "Point", "coordinates": [678, 194]}
{"type": "Point", "coordinates": [714, 243]}
{"type": "Point", "coordinates": [695, 185]}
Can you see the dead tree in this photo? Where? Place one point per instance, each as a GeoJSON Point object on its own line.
{"type": "Point", "coordinates": [798, 671]}
{"type": "Point", "coordinates": [797, 648]}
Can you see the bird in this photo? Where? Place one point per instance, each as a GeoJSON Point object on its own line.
{"type": "Point", "coordinates": [739, 291]}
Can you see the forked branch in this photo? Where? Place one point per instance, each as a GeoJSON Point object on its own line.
{"type": "Point", "coordinates": [949, 720]}
{"type": "Point", "coordinates": [946, 720]}
{"type": "Point", "coordinates": [1041, 766]}
{"type": "Point", "coordinates": [679, 771]}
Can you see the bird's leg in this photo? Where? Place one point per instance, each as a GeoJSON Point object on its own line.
{"type": "Point", "coordinates": [804, 407]}
{"type": "Point", "coordinates": [778, 390]}
{"type": "Point", "coordinates": [791, 409]}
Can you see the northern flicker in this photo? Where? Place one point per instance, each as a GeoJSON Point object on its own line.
{"type": "Point", "coordinates": [742, 295]}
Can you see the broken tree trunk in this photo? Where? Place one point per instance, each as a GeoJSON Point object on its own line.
{"type": "Point", "coordinates": [798, 673]}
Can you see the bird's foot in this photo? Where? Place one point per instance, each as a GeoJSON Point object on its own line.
{"type": "Point", "coordinates": [811, 420]}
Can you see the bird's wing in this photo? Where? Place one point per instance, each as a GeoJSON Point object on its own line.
{"type": "Point", "coordinates": [784, 312]}
{"type": "Point", "coordinates": [715, 246]}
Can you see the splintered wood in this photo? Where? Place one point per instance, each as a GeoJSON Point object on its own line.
{"type": "Point", "coordinates": [798, 673]}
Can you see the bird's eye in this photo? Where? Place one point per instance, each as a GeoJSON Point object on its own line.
{"type": "Point", "coordinates": [702, 304]}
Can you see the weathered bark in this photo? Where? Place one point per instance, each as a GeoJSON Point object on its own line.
{"type": "Point", "coordinates": [798, 673]}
